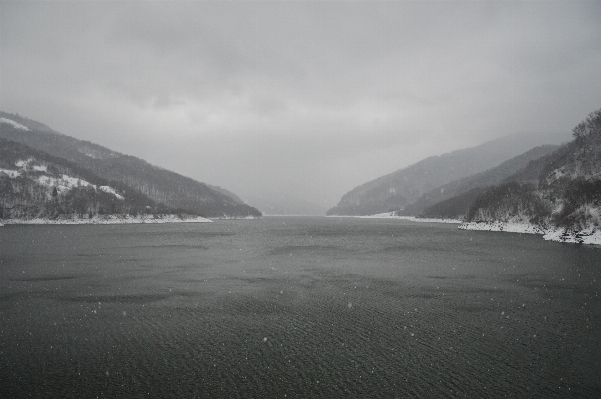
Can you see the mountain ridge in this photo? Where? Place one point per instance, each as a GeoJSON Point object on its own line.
{"type": "Point", "coordinates": [396, 190]}
{"type": "Point", "coordinates": [161, 185]}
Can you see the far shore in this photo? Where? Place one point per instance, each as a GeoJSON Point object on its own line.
{"type": "Point", "coordinates": [109, 219]}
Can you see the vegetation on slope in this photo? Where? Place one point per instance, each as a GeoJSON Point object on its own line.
{"type": "Point", "coordinates": [399, 189]}
{"type": "Point", "coordinates": [160, 185]}
{"type": "Point", "coordinates": [34, 184]}
{"type": "Point", "coordinates": [568, 193]}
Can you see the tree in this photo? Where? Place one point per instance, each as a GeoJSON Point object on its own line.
{"type": "Point", "coordinates": [588, 129]}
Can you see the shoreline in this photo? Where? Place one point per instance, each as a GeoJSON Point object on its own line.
{"type": "Point", "coordinates": [590, 235]}
{"type": "Point", "coordinates": [389, 215]}
{"type": "Point", "coordinates": [110, 219]}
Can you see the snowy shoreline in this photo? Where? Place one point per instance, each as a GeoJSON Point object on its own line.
{"type": "Point", "coordinates": [590, 235]}
{"type": "Point", "coordinates": [587, 236]}
{"type": "Point", "coordinates": [390, 215]}
{"type": "Point", "coordinates": [110, 219]}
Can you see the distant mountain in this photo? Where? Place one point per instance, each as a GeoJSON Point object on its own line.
{"type": "Point", "coordinates": [160, 185]}
{"type": "Point", "coordinates": [566, 193]}
{"type": "Point", "coordinates": [428, 204]}
{"type": "Point", "coordinates": [274, 203]}
{"type": "Point", "coordinates": [399, 189]}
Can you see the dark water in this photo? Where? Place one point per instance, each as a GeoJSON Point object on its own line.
{"type": "Point", "coordinates": [296, 307]}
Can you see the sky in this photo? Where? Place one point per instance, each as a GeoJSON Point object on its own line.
{"type": "Point", "coordinates": [307, 98]}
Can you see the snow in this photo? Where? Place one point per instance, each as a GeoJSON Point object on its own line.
{"type": "Point", "coordinates": [502, 226]}
{"type": "Point", "coordinates": [13, 124]}
{"type": "Point", "coordinates": [391, 215]}
{"type": "Point", "coordinates": [112, 219]}
{"type": "Point", "coordinates": [22, 163]}
{"type": "Point", "coordinates": [11, 173]}
{"type": "Point", "coordinates": [66, 183]}
{"type": "Point", "coordinates": [589, 235]}
{"type": "Point", "coordinates": [110, 190]}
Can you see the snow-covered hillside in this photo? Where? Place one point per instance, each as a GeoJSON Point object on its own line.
{"type": "Point", "coordinates": [566, 203]}
{"type": "Point", "coordinates": [13, 124]}
{"type": "Point", "coordinates": [37, 172]}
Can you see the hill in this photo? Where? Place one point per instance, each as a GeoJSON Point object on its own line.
{"type": "Point", "coordinates": [160, 185]}
{"type": "Point", "coordinates": [439, 202]}
{"type": "Point", "coordinates": [34, 184]}
{"type": "Point", "coordinates": [566, 195]}
{"type": "Point", "coordinates": [399, 189]}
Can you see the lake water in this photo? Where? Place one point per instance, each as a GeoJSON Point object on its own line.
{"type": "Point", "coordinates": [296, 307]}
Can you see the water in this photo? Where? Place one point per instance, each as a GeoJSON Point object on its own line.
{"type": "Point", "coordinates": [296, 307]}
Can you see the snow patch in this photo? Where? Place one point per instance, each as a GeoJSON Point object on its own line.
{"type": "Point", "coordinates": [502, 226]}
{"type": "Point", "coordinates": [66, 183]}
{"type": "Point", "coordinates": [391, 215]}
{"type": "Point", "coordinates": [24, 164]}
{"type": "Point", "coordinates": [113, 219]}
{"type": "Point", "coordinates": [110, 190]}
{"type": "Point", "coordinates": [11, 173]}
{"type": "Point", "coordinates": [14, 124]}
{"type": "Point", "coordinates": [589, 235]}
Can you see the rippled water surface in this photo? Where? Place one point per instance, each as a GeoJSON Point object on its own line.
{"type": "Point", "coordinates": [296, 307]}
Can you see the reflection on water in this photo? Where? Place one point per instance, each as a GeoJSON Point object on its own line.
{"type": "Point", "coordinates": [303, 307]}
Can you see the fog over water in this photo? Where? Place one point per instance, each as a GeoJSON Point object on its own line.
{"type": "Point", "coordinates": [307, 99]}
{"type": "Point", "coordinates": [319, 307]}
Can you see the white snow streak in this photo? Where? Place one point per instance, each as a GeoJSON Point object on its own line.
{"type": "Point", "coordinates": [13, 124]}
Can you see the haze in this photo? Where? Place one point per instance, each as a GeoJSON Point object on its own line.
{"type": "Point", "coordinates": [305, 98]}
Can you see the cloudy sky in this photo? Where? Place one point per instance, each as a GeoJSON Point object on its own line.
{"type": "Point", "coordinates": [311, 97]}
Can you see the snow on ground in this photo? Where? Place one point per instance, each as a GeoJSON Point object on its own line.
{"type": "Point", "coordinates": [590, 235]}
{"type": "Point", "coordinates": [502, 226]}
{"type": "Point", "coordinates": [110, 190]}
{"type": "Point", "coordinates": [23, 163]}
{"type": "Point", "coordinates": [112, 219]}
{"type": "Point", "coordinates": [11, 173]}
{"type": "Point", "coordinates": [64, 183]}
{"type": "Point", "coordinates": [13, 124]}
{"type": "Point", "coordinates": [391, 215]}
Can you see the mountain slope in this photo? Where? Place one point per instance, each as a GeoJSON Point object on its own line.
{"type": "Point", "coordinates": [34, 184]}
{"type": "Point", "coordinates": [567, 195]}
{"type": "Point", "coordinates": [425, 204]}
{"type": "Point", "coordinates": [403, 187]}
{"type": "Point", "coordinates": [160, 185]}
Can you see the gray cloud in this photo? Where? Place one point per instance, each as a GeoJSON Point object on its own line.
{"type": "Point", "coordinates": [312, 97]}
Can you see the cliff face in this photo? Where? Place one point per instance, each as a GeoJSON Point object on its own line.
{"type": "Point", "coordinates": [159, 185]}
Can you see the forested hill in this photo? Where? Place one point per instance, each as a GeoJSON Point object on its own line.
{"type": "Point", "coordinates": [442, 201]}
{"type": "Point", "coordinates": [160, 185]}
{"type": "Point", "coordinates": [34, 184]}
{"type": "Point", "coordinates": [398, 189]}
{"type": "Point", "coordinates": [566, 193]}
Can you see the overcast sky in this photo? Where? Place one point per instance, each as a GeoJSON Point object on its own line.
{"type": "Point", "coordinates": [312, 98]}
